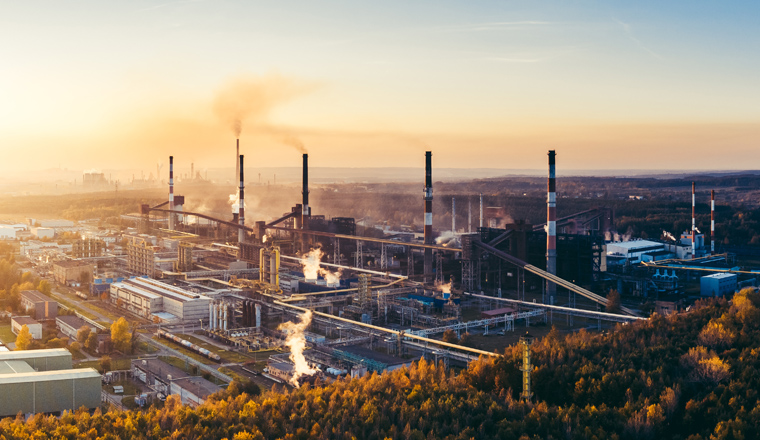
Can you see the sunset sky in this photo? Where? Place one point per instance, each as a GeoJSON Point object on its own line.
{"type": "Point", "coordinates": [609, 85]}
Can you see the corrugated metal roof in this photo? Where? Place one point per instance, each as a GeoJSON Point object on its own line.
{"type": "Point", "coordinates": [11, 367]}
{"type": "Point", "coordinates": [48, 376]}
{"type": "Point", "coordinates": [28, 354]}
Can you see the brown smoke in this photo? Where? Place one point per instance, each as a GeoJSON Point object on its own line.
{"type": "Point", "coordinates": [295, 143]}
{"type": "Point", "coordinates": [250, 98]}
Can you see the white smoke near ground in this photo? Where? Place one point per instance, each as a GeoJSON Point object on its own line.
{"type": "Point", "coordinates": [448, 239]}
{"type": "Point", "coordinates": [235, 202]}
{"type": "Point", "coordinates": [444, 288]}
{"type": "Point", "coordinates": [264, 239]}
{"type": "Point", "coordinates": [614, 236]}
{"type": "Point", "coordinates": [311, 268]}
{"type": "Point", "coordinates": [668, 235]}
{"type": "Point", "coordinates": [296, 341]}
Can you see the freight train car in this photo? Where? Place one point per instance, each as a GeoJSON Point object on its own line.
{"type": "Point", "coordinates": [189, 345]}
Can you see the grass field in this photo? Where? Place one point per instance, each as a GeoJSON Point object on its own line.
{"type": "Point", "coordinates": [6, 335]}
{"type": "Point", "coordinates": [116, 364]}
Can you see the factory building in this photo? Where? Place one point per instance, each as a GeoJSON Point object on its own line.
{"type": "Point", "coordinates": [42, 381]}
{"type": "Point", "coordinates": [69, 325]}
{"type": "Point", "coordinates": [11, 231]}
{"type": "Point", "coordinates": [146, 297]}
{"type": "Point", "coordinates": [168, 379]}
{"type": "Point", "coordinates": [634, 251]}
{"type": "Point", "coordinates": [141, 256]}
{"type": "Point", "coordinates": [68, 272]}
{"type": "Point", "coordinates": [718, 284]}
{"type": "Point", "coordinates": [35, 328]}
{"type": "Point", "coordinates": [38, 305]}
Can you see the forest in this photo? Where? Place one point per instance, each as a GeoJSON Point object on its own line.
{"type": "Point", "coordinates": [688, 376]}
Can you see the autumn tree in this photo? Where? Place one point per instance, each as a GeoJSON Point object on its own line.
{"type": "Point", "coordinates": [105, 364]}
{"type": "Point", "coordinates": [613, 301]}
{"type": "Point", "coordinates": [450, 336]}
{"type": "Point", "coordinates": [83, 333]}
{"type": "Point", "coordinates": [44, 287]}
{"type": "Point", "coordinates": [24, 338]}
{"type": "Point", "coordinates": [91, 344]}
{"type": "Point", "coordinates": [120, 335]}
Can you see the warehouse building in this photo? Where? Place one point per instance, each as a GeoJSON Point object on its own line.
{"type": "Point", "coordinates": [193, 390]}
{"type": "Point", "coordinates": [67, 272]}
{"type": "Point", "coordinates": [718, 284]}
{"type": "Point", "coordinates": [38, 306]}
{"type": "Point", "coordinates": [69, 325]}
{"type": "Point", "coordinates": [35, 328]}
{"type": "Point", "coordinates": [168, 379]}
{"type": "Point", "coordinates": [42, 381]}
{"type": "Point", "coordinates": [145, 297]}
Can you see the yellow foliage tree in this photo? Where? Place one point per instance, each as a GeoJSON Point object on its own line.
{"type": "Point", "coordinates": [24, 338]}
{"type": "Point", "coordinates": [120, 336]}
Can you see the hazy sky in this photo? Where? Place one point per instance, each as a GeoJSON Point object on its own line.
{"type": "Point", "coordinates": [626, 84]}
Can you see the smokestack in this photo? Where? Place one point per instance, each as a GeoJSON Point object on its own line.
{"type": "Point", "coordinates": [551, 227]}
{"type": "Point", "coordinates": [237, 164]}
{"type": "Point", "coordinates": [305, 211]}
{"type": "Point", "coordinates": [428, 266]}
{"type": "Point", "coordinates": [693, 221]}
{"type": "Point", "coordinates": [171, 192]}
{"type": "Point", "coordinates": [712, 221]}
{"type": "Point", "coordinates": [469, 214]}
{"type": "Point", "coordinates": [192, 170]}
{"type": "Point", "coordinates": [453, 214]}
{"type": "Point", "coordinates": [241, 204]}
{"type": "Point", "coordinates": [481, 210]}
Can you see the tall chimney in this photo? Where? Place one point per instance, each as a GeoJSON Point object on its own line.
{"type": "Point", "coordinates": [469, 215]}
{"type": "Point", "coordinates": [551, 228]}
{"type": "Point", "coordinates": [241, 204]}
{"type": "Point", "coordinates": [237, 156]}
{"type": "Point", "coordinates": [693, 221]}
{"type": "Point", "coordinates": [171, 192]}
{"type": "Point", "coordinates": [481, 210]}
{"type": "Point", "coordinates": [712, 221]}
{"type": "Point", "coordinates": [305, 211]}
{"type": "Point", "coordinates": [428, 265]}
{"type": "Point", "coordinates": [192, 170]}
{"type": "Point", "coordinates": [453, 215]}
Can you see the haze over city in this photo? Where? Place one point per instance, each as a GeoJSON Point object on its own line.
{"type": "Point", "coordinates": [609, 85]}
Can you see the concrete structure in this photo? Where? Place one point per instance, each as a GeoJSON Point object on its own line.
{"type": "Point", "coordinates": [193, 390]}
{"type": "Point", "coordinates": [38, 305]}
{"type": "Point", "coordinates": [69, 325]}
{"type": "Point", "coordinates": [718, 284]}
{"type": "Point", "coordinates": [88, 247]}
{"type": "Point", "coordinates": [41, 232]}
{"type": "Point", "coordinates": [141, 256]}
{"type": "Point", "coordinates": [35, 328]}
{"type": "Point", "coordinates": [712, 221]}
{"type": "Point", "coordinates": [143, 297]}
{"type": "Point", "coordinates": [42, 381]}
{"type": "Point", "coordinates": [66, 272]}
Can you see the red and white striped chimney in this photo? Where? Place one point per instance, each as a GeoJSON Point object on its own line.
{"type": "Point", "coordinates": [241, 204]}
{"type": "Point", "coordinates": [693, 221]}
{"type": "Point", "coordinates": [551, 228]}
{"type": "Point", "coordinates": [171, 192]}
{"type": "Point", "coordinates": [428, 264]}
{"type": "Point", "coordinates": [712, 221]}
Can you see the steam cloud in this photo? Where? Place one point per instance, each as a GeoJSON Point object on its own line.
{"type": "Point", "coordinates": [235, 202]}
{"type": "Point", "coordinates": [310, 263]}
{"type": "Point", "coordinates": [296, 341]}
{"type": "Point", "coordinates": [448, 239]}
{"type": "Point", "coordinates": [251, 98]}
{"type": "Point", "coordinates": [444, 288]}
{"type": "Point", "coordinates": [668, 235]}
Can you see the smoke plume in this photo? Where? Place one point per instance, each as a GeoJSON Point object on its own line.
{"type": "Point", "coordinates": [235, 202]}
{"type": "Point", "coordinates": [295, 143]}
{"type": "Point", "coordinates": [311, 270]}
{"type": "Point", "coordinates": [444, 288]}
{"type": "Point", "coordinates": [250, 99]}
{"type": "Point", "coordinates": [448, 239]}
{"type": "Point", "coordinates": [296, 341]}
{"type": "Point", "coordinates": [668, 235]}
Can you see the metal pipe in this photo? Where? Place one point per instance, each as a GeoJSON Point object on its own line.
{"type": "Point", "coordinates": [428, 197]}
{"type": "Point", "coordinates": [693, 221]}
{"type": "Point", "coordinates": [712, 221]}
{"type": "Point", "coordinates": [551, 227]}
{"type": "Point", "coordinates": [171, 192]}
{"type": "Point", "coordinates": [305, 212]}
{"type": "Point", "coordinates": [241, 204]}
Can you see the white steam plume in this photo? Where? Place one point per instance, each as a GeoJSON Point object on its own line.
{"type": "Point", "coordinates": [296, 341]}
{"type": "Point", "coordinates": [311, 270]}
